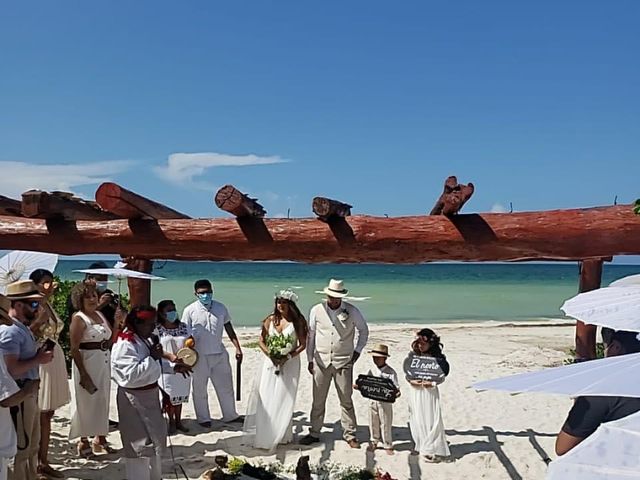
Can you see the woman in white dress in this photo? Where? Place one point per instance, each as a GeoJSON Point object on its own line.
{"type": "Point", "coordinates": [175, 387]}
{"type": "Point", "coordinates": [425, 414]}
{"type": "Point", "coordinates": [54, 385]}
{"type": "Point", "coordinates": [269, 418]}
{"type": "Point", "coordinates": [91, 339]}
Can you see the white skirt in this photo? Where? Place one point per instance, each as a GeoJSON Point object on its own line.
{"type": "Point", "coordinates": [425, 421]}
{"type": "Point", "coordinates": [90, 413]}
{"type": "Point", "coordinates": [54, 383]}
{"type": "Point", "coordinates": [269, 418]}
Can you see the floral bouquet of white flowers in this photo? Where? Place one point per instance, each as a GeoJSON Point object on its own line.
{"type": "Point", "coordinates": [279, 346]}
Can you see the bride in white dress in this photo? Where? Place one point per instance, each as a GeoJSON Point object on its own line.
{"type": "Point", "coordinates": [269, 418]}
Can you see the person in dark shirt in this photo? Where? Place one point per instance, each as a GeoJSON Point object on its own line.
{"type": "Point", "coordinates": [589, 412]}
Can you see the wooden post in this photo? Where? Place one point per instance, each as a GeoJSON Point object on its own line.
{"type": "Point", "coordinates": [139, 289]}
{"type": "Point", "coordinates": [126, 204]}
{"type": "Point", "coordinates": [590, 279]}
{"type": "Point", "coordinates": [232, 200]}
{"type": "Point", "coordinates": [10, 207]}
{"type": "Point", "coordinates": [325, 208]}
{"type": "Point", "coordinates": [454, 196]}
{"type": "Point", "coordinates": [61, 206]}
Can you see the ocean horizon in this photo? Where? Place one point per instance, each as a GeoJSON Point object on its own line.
{"type": "Point", "coordinates": [418, 294]}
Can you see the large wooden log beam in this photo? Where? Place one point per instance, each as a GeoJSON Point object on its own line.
{"type": "Point", "coordinates": [551, 235]}
{"type": "Point", "coordinates": [60, 206]}
{"type": "Point", "coordinates": [325, 208]}
{"type": "Point", "coordinates": [126, 204]}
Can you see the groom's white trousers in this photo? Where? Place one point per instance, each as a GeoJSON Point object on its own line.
{"type": "Point", "coordinates": [214, 367]}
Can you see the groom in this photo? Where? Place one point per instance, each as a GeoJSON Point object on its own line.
{"type": "Point", "coordinates": [337, 334]}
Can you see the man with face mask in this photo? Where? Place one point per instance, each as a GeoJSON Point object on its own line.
{"type": "Point", "coordinates": [206, 319]}
{"type": "Point", "coordinates": [23, 358]}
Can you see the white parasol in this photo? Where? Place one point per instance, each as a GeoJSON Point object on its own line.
{"type": "Point", "coordinates": [630, 281]}
{"type": "Point", "coordinates": [616, 306]}
{"type": "Point", "coordinates": [120, 273]}
{"type": "Point", "coordinates": [18, 265]}
{"type": "Point", "coordinates": [611, 453]}
{"type": "Point", "coordinates": [617, 376]}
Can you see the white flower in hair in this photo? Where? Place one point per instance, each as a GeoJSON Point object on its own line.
{"type": "Point", "coordinates": [288, 295]}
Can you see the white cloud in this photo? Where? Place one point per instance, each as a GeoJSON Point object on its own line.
{"type": "Point", "coordinates": [499, 208]}
{"type": "Point", "coordinates": [184, 168]}
{"type": "Point", "coordinates": [18, 177]}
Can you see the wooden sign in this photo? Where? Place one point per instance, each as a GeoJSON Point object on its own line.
{"type": "Point", "coordinates": [423, 367]}
{"type": "Point", "coordinates": [376, 388]}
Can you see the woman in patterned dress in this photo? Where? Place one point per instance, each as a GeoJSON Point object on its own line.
{"type": "Point", "coordinates": [175, 387]}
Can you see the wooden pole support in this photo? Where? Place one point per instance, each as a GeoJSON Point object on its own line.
{"type": "Point", "coordinates": [454, 196]}
{"type": "Point", "coordinates": [127, 204]}
{"type": "Point", "coordinates": [325, 208]}
{"type": "Point", "coordinates": [232, 200]}
{"type": "Point", "coordinates": [590, 279]}
{"type": "Point", "coordinates": [139, 289]}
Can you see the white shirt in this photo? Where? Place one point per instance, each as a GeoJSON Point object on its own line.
{"type": "Point", "coordinates": [8, 387]}
{"type": "Point", "coordinates": [206, 325]}
{"type": "Point", "coordinates": [385, 372]}
{"type": "Point", "coordinates": [361, 334]}
{"type": "Point", "coordinates": [132, 365]}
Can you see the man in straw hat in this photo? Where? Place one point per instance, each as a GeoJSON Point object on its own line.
{"type": "Point", "coordinates": [10, 396]}
{"type": "Point", "coordinates": [23, 357]}
{"type": "Point", "coordinates": [337, 334]}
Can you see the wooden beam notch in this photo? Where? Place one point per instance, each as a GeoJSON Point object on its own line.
{"type": "Point", "coordinates": [454, 196]}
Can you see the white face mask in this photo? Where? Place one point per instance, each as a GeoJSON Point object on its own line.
{"type": "Point", "coordinates": [101, 286]}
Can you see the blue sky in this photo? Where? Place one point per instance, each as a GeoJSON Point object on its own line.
{"type": "Point", "coordinates": [374, 103]}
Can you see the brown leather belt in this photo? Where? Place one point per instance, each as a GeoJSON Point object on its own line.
{"type": "Point", "coordinates": [104, 345]}
{"type": "Point", "coordinates": [146, 387]}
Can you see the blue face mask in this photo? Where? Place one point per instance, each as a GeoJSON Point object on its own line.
{"type": "Point", "coordinates": [205, 298]}
{"type": "Point", "coordinates": [172, 316]}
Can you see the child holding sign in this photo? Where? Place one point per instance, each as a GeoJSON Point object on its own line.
{"type": "Point", "coordinates": [425, 415]}
{"type": "Point", "coordinates": [381, 413]}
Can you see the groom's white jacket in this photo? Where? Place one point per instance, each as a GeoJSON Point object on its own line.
{"type": "Point", "coordinates": [332, 340]}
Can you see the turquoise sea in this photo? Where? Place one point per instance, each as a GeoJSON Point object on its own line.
{"type": "Point", "coordinates": [427, 293]}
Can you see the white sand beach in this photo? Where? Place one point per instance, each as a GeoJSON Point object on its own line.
{"type": "Point", "coordinates": [492, 435]}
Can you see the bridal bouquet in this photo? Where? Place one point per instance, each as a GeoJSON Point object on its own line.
{"type": "Point", "coordinates": [279, 347]}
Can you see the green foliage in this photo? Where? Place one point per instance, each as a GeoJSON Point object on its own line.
{"type": "Point", "coordinates": [572, 352]}
{"type": "Point", "coordinates": [636, 207]}
{"type": "Point", "coordinates": [59, 304]}
{"type": "Point", "coordinates": [235, 465]}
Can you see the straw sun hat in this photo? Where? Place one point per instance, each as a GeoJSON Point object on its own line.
{"type": "Point", "coordinates": [335, 289]}
{"type": "Point", "coordinates": [380, 350]}
{"type": "Point", "coordinates": [23, 290]}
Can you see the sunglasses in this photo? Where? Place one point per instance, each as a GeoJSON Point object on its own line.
{"type": "Point", "coordinates": [35, 305]}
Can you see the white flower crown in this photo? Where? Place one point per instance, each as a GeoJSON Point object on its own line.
{"type": "Point", "coordinates": [288, 295]}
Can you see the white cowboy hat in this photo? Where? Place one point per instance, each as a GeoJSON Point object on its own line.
{"type": "Point", "coordinates": [335, 289]}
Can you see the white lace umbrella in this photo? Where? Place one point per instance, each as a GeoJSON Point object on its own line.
{"type": "Point", "coordinates": [611, 453]}
{"type": "Point", "coordinates": [120, 273]}
{"type": "Point", "coordinates": [616, 306]}
{"type": "Point", "coordinates": [18, 265]}
{"type": "Point", "coordinates": [606, 377]}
